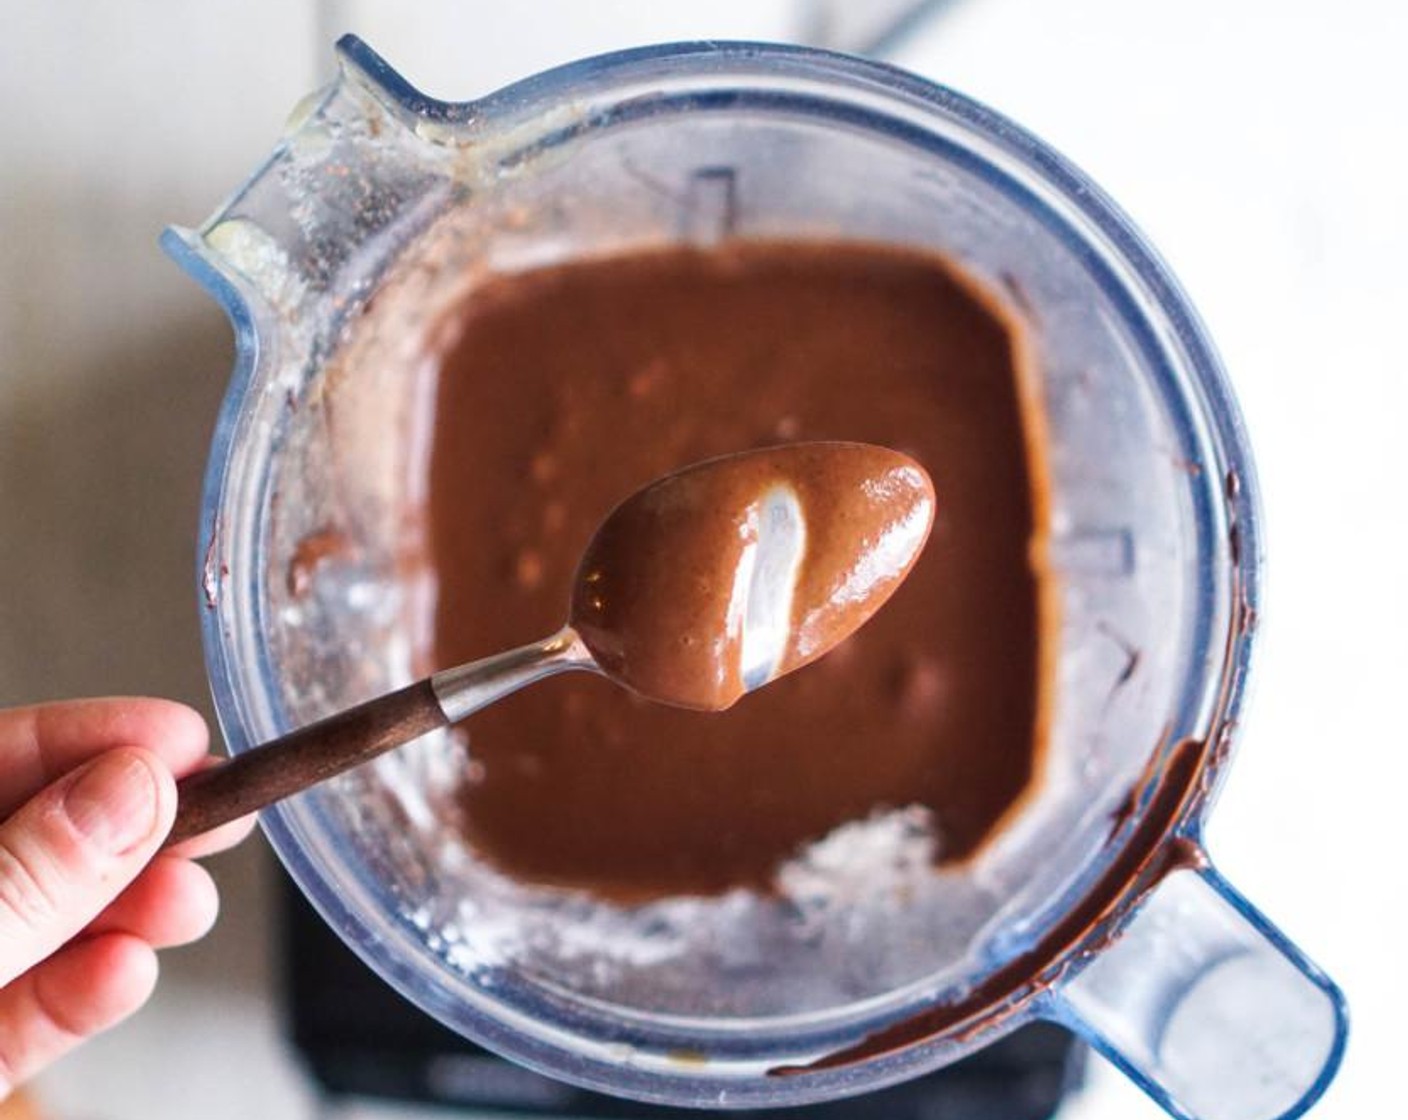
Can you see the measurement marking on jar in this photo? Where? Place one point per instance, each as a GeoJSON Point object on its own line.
{"type": "Point", "coordinates": [1097, 552]}
{"type": "Point", "coordinates": [710, 212]}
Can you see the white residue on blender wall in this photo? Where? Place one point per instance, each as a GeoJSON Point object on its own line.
{"type": "Point", "coordinates": [481, 920]}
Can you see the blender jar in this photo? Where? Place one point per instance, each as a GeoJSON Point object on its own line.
{"type": "Point", "coordinates": [1096, 906]}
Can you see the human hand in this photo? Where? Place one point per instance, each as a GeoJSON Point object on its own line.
{"type": "Point", "coordinates": [87, 794]}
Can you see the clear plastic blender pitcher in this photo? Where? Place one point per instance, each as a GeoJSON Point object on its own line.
{"type": "Point", "coordinates": [1096, 907]}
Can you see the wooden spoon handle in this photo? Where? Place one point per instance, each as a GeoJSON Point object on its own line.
{"type": "Point", "coordinates": [293, 762]}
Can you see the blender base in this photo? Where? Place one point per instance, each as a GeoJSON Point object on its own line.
{"type": "Point", "coordinates": [359, 1038]}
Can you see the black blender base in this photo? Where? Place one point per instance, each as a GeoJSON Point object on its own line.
{"type": "Point", "coordinates": [359, 1038]}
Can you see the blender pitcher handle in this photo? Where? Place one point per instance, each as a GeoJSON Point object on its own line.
{"type": "Point", "coordinates": [1209, 1007]}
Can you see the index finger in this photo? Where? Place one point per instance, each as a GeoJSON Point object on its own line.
{"type": "Point", "coordinates": [44, 741]}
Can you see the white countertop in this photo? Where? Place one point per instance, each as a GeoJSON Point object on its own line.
{"type": "Point", "coordinates": [1259, 144]}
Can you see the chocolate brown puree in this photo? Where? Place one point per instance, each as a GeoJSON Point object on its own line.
{"type": "Point", "coordinates": [793, 547]}
{"type": "Point", "coordinates": [564, 388]}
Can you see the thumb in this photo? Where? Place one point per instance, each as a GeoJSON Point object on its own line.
{"type": "Point", "coordinates": [72, 849]}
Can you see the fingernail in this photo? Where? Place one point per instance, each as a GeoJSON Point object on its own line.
{"type": "Point", "coordinates": [113, 801]}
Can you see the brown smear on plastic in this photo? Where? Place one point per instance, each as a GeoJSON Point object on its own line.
{"type": "Point", "coordinates": [1150, 853]}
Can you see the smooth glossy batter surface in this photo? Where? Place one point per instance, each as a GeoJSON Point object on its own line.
{"type": "Point", "coordinates": [566, 388]}
{"type": "Point", "coordinates": [712, 582]}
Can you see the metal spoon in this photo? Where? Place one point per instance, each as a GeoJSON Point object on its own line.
{"type": "Point", "coordinates": [697, 589]}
